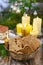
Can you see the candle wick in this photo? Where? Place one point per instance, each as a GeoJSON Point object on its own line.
{"type": "Point", "coordinates": [25, 14]}
{"type": "Point", "coordinates": [37, 17]}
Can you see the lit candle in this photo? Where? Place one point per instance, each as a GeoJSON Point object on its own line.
{"type": "Point", "coordinates": [25, 19]}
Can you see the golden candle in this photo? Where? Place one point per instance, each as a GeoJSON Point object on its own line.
{"type": "Point", "coordinates": [19, 28]}
{"type": "Point", "coordinates": [28, 29]}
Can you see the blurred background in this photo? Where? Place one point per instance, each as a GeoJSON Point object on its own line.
{"type": "Point", "coordinates": [9, 10]}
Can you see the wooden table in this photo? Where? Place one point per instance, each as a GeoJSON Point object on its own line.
{"type": "Point", "coordinates": [37, 60]}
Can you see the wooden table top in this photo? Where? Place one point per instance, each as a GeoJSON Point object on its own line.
{"type": "Point", "coordinates": [37, 60]}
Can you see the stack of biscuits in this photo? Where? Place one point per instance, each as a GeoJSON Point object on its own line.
{"type": "Point", "coordinates": [24, 45]}
{"type": "Point", "coordinates": [3, 32]}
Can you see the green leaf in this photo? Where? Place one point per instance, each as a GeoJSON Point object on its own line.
{"type": "Point", "coordinates": [12, 1]}
{"type": "Point", "coordinates": [34, 1]}
{"type": "Point", "coordinates": [4, 53]}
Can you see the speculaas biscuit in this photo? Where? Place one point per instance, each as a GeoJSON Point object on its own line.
{"type": "Point", "coordinates": [25, 45]}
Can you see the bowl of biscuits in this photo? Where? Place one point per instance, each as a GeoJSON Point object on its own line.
{"type": "Point", "coordinates": [23, 48]}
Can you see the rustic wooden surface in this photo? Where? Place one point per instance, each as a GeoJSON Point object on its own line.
{"type": "Point", "coordinates": [37, 60]}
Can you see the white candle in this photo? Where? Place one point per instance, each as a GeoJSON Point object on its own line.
{"type": "Point", "coordinates": [25, 19]}
{"type": "Point", "coordinates": [37, 24]}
